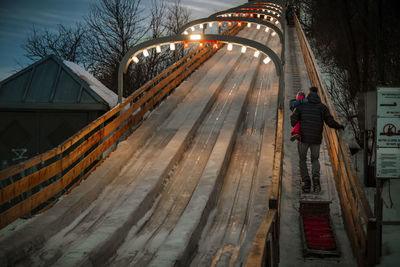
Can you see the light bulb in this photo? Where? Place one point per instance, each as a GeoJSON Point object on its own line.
{"type": "Point", "coordinates": [267, 60]}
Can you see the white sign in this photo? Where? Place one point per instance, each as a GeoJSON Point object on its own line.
{"type": "Point", "coordinates": [388, 163]}
{"type": "Point", "coordinates": [388, 102]}
{"type": "Point", "coordinates": [388, 132]}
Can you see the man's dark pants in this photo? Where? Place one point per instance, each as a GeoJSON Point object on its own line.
{"type": "Point", "coordinates": [303, 148]}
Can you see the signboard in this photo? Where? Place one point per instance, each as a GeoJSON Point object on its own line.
{"type": "Point", "coordinates": [388, 133]}
{"type": "Point", "coordinates": [388, 102]}
{"type": "Point", "coordinates": [388, 163]}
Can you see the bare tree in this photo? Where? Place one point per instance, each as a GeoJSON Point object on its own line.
{"type": "Point", "coordinates": [114, 27]}
{"type": "Point", "coordinates": [177, 16]}
{"type": "Point", "coordinates": [65, 42]}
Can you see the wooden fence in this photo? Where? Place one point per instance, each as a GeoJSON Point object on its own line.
{"type": "Point", "coordinates": [358, 217]}
{"type": "Point", "coordinates": [30, 185]}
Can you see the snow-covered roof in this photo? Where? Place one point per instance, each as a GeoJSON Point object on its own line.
{"type": "Point", "coordinates": [106, 94]}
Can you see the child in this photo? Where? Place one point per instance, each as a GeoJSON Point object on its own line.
{"type": "Point", "coordinates": [300, 99]}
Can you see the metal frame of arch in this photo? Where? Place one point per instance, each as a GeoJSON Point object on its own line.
{"type": "Point", "coordinates": [276, 2]}
{"type": "Point", "coordinates": [241, 19]}
{"type": "Point", "coordinates": [280, 19]}
{"type": "Point", "coordinates": [127, 59]}
{"type": "Point", "coordinates": [270, 8]}
{"type": "Point", "coordinates": [236, 19]}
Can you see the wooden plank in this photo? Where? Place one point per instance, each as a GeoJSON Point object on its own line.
{"type": "Point", "coordinates": [350, 227]}
{"type": "Point", "coordinates": [276, 180]}
{"type": "Point", "coordinates": [257, 252]}
{"type": "Point", "coordinates": [354, 211]}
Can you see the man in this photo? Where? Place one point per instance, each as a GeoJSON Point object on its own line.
{"type": "Point", "coordinates": [311, 116]}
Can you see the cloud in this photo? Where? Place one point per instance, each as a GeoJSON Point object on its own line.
{"type": "Point", "coordinates": [213, 3]}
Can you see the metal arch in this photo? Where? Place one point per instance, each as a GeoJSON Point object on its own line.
{"type": "Point", "coordinates": [249, 11]}
{"type": "Point", "coordinates": [277, 2]}
{"type": "Point", "coordinates": [127, 59]}
{"type": "Point", "coordinates": [270, 8]}
{"type": "Point", "coordinates": [251, 20]}
{"type": "Point", "coordinates": [269, 3]}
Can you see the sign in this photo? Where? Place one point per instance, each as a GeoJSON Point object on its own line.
{"type": "Point", "coordinates": [388, 132]}
{"type": "Point", "coordinates": [388, 102]}
{"type": "Point", "coordinates": [388, 163]}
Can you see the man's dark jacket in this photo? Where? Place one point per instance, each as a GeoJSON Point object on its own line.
{"type": "Point", "coordinates": [312, 116]}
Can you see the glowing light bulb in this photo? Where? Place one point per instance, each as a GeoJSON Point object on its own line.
{"type": "Point", "coordinates": [230, 46]}
{"type": "Point", "coordinates": [248, 25]}
{"type": "Point", "coordinates": [266, 29]}
{"type": "Point", "coordinates": [185, 32]}
{"type": "Point", "coordinates": [258, 26]}
{"type": "Point", "coordinates": [257, 53]}
{"type": "Point", "coordinates": [201, 26]}
{"type": "Point", "coordinates": [210, 24]}
{"type": "Point", "coordinates": [276, 22]}
{"type": "Point", "coordinates": [244, 49]}
{"type": "Point", "coordinates": [258, 15]}
{"type": "Point", "coordinates": [239, 24]}
{"type": "Point", "coordinates": [172, 46]}
{"type": "Point", "coordinates": [145, 53]}
{"type": "Point", "coordinates": [273, 34]}
{"type": "Point", "coordinates": [267, 60]}
{"type": "Point", "coordinates": [158, 49]}
{"type": "Point", "coordinates": [192, 28]}
{"type": "Point", "coordinates": [195, 37]}
{"type": "Point", "coordinates": [135, 59]}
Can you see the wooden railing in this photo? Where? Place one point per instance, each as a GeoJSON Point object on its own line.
{"type": "Point", "coordinates": [359, 220]}
{"type": "Point", "coordinates": [40, 180]}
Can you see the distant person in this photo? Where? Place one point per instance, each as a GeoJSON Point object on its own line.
{"type": "Point", "coordinates": [300, 99]}
{"type": "Point", "coordinates": [312, 116]}
{"type": "Point", "coordinates": [289, 14]}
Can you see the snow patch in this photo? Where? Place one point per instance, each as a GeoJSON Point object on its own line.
{"type": "Point", "coordinates": [106, 94]}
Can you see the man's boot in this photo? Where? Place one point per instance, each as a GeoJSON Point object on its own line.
{"type": "Point", "coordinates": [306, 186]}
{"type": "Point", "coordinates": [316, 185]}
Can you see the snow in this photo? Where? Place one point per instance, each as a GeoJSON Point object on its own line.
{"type": "Point", "coordinates": [100, 89]}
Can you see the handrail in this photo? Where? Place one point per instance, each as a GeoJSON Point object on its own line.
{"type": "Point", "coordinates": [359, 219]}
{"type": "Point", "coordinates": [26, 186]}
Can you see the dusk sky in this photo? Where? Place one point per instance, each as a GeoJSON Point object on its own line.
{"type": "Point", "coordinates": [17, 18]}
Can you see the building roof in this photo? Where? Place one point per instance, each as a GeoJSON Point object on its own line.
{"type": "Point", "coordinates": [51, 83]}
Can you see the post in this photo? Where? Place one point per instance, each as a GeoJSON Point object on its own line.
{"type": "Point", "coordinates": [378, 216]}
{"type": "Point", "coordinates": [371, 246]}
